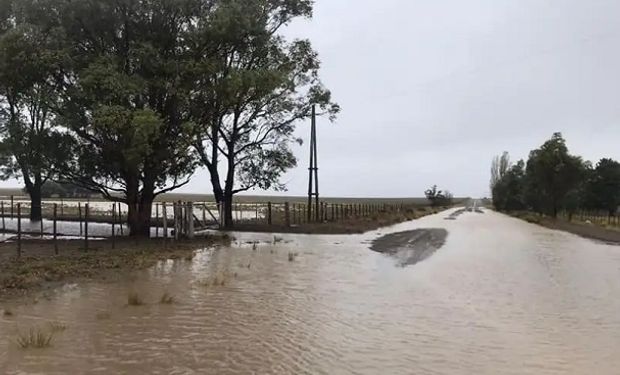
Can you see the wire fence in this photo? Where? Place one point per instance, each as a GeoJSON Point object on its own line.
{"type": "Point", "coordinates": [93, 220]}
{"type": "Point", "coordinates": [598, 217]}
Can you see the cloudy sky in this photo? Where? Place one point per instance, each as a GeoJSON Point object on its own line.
{"type": "Point", "coordinates": [431, 90]}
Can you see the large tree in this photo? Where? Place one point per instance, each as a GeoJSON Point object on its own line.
{"type": "Point", "coordinates": [553, 175]}
{"type": "Point", "coordinates": [124, 98]}
{"type": "Point", "coordinates": [603, 186]}
{"type": "Point", "coordinates": [31, 146]}
{"type": "Point", "coordinates": [247, 112]}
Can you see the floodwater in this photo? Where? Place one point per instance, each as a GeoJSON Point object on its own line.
{"type": "Point", "coordinates": [500, 297]}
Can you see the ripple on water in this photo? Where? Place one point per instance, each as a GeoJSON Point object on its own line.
{"type": "Point", "coordinates": [500, 297]}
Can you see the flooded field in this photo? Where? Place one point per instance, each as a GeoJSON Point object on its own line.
{"type": "Point", "coordinates": [500, 297]}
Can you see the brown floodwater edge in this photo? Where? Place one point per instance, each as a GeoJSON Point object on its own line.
{"type": "Point", "coordinates": [586, 230]}
{"type": "Point", "coordinates": [39, 268]}
{"type": "Point", "coordinates": [354, 225]}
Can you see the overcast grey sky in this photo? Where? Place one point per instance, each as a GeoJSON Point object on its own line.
{"type": "Point", "coordinates": [431, 90]}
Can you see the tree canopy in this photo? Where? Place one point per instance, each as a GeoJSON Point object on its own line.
{"type": "Point", "coordinates": [135, 95]}
{"type": "Point", "coordinates": [555, 180]}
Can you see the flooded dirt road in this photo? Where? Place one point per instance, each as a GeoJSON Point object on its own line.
{"type": "Point", "coordinates": [500, 297]}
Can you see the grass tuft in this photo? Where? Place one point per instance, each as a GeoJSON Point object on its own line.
{"type": "Point", "coordinates": [7, 312]}
{"type": "Point", "coordinates": [166, 299]}
{"type": "Point", "coordinates": [36, 338]}
{"type": "Point", "coordinates": [57, 326]}
{"type": "Point", "coordinates": [134, 299]}
{"type": "Point", "coordinates": [292, 256]}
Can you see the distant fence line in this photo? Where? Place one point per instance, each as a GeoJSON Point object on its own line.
{"type": "Point", "coordinates": [86, 220]}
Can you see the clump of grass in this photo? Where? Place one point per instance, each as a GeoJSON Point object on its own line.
{"type": "Point", "coordinates": [134, 299]}
{"type": "Point", "coordinates": [292, 256]}
{"type": "Point", "coordinates": [254, 246]}
{"type": "Point", "coordinates": [103, 315]}
{"type": "Point", "coordinates": [7, 312]}
{"type": "Point", "coordinates": [277, 239]}
{"type": "Point", "coordinates": [166, 299]}
{"type": "Point", "coordinates": [57, 326]}
{"type": "Point", "coordinates": [36, 338]}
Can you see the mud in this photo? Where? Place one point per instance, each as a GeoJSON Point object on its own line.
{"type": "Point", "coordinates": [411, 247]}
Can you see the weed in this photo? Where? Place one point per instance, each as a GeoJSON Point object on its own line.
{"type": "Point", "coordinates": [35, 338]}
{"type": "Point", "coordinates": [103, 316]}
{"type": "Point", "coordinates": [57, 326]}
{"type": "Point", "coordinates": [166, 299]}
{"type": "Point", "coordinates": [254, 246]}
{"type": "Point", "coordinates": [133, 299]}
{"type": "Point", "coordinates": [292, 256]}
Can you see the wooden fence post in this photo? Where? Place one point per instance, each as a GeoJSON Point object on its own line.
{"type": "Point", "coordinates": [156, 220]}
{"type": "Point", "coordinates": [80, 216]}
{"type": "Point", "coordinates": [54, 228]}
{"type": "Point", "coordinates": [165, 216]}
{"type": "Point", "coordinates": [120, 218]}
{"type": "Point", "coordinates": [86, 227]}
{"type": "Point", "coordinates": [12, 207]}
{"type": "Point", "coordinates": [190, 220]}
{"type": "Point", "coordinates": [113, 225]}
{"type": "Point", "coordinates": [3, 224]}
{"type": "Point", "coordinates": [19, 229]}
{"type": "Point", "coordinates": [287, 214]}
{"type": "Point", "coordinates": [269, 220]}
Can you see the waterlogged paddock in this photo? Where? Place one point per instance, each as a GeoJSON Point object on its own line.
{"type": "Point", "coordinates": [500, 296]}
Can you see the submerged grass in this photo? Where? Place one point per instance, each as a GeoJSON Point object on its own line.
{"type": "Point", "coordinates": [38, 264]}
{"type": "Point", "coordinates": [166, 299]}
{"type": "Point", "coordinates": [292, 256]}
{"type": "Point", "coordinates": [134, 299]}
{"type": "Point", "coordinates": [57, 326]}
{"type": "Point", "coordinates": [35, 338]}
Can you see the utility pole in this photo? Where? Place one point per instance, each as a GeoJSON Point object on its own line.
{"type": "Point", "coordinates": [313, 181]}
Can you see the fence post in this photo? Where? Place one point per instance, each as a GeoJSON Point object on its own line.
{"type": "Point", "coordinates": [190, 220]}
{"type": "Point", "coordinates": [156, 220]}
{"type": "Point", "coordinates": [40, 221]}
{"type": "Point", "coordinates": [113, 225]}
{"type": "Point", "coordinates": [62, 204]}
{"type": "Point", "coordinates": [3, 224]}
{"type": "Point", "coordinates": [165, 217]}
{"type": "Point", "coordinates": [269, 213]}
{"type": "Point", "coordinates": [86, 227]}
{"type": "Point", "coordinates": [12, 207]}
{"type": "Point", "coordinates": [176, 221]}
{"type": "Point", "coordinates": [80, 216]}
{"type": "Point", "coordinates": [120, 218]}
{"type": "Point", "coordinates": [19, 229]}
{"type": "Point", "coordinates": [287, 214]}
{"type": "Point", "coordinates": [54, 229]}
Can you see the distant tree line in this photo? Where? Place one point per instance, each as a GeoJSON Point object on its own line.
{"type": "Point", "coordinates": [129, 98]}
{"type": "Point", "coordinates": [553, 180]}
{"type": "Point", "coordinates": [438, 197]}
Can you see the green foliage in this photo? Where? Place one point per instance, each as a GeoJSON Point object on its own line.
{"type": "Point", "coordinates": [603, 186]}
{"type": "Point", "coordinates": [554, 180]}
{"type": "Point", "coordinates": [508, 191]}
{"type": "Point", "coordinates": [247, 114]}
{"type": "Point", "coordinates": [32, 147]}
{"type": "Point", "coordinates": [137, 94]}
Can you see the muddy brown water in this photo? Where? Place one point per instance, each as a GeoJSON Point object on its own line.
{"type": "Point", "coordinates": [500, 297]}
